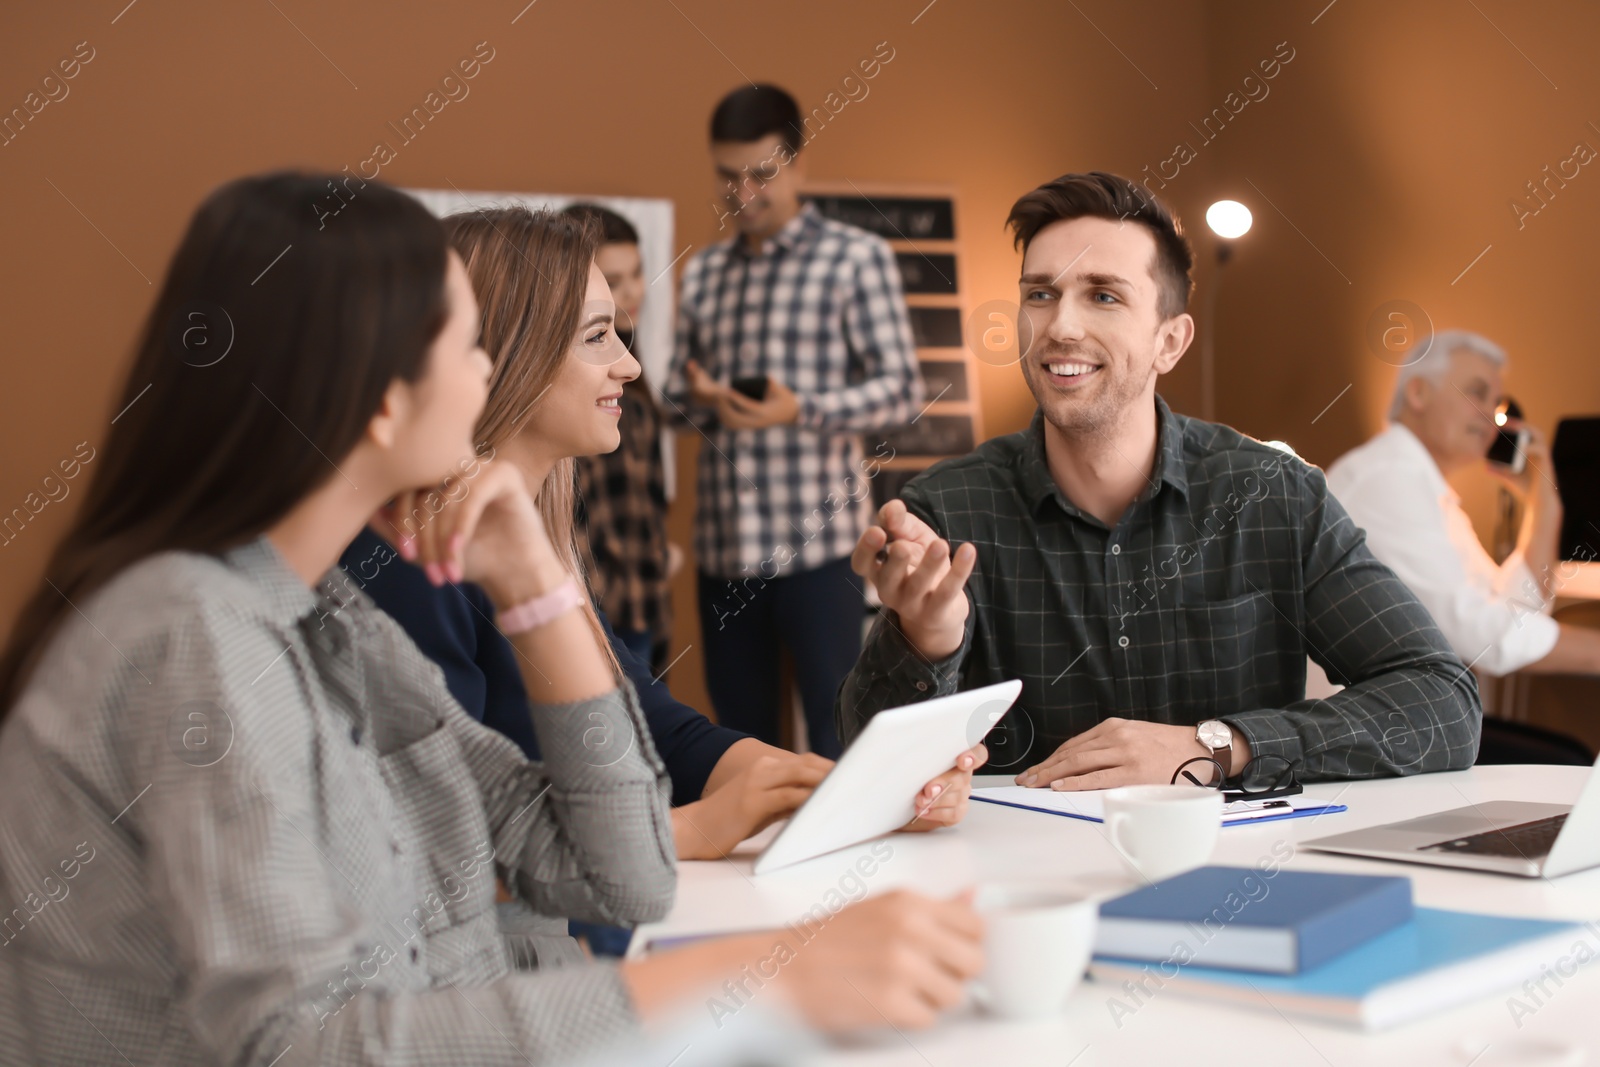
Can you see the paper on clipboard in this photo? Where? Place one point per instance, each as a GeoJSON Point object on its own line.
{"type": "Point", "coordinates": [1089, 804]}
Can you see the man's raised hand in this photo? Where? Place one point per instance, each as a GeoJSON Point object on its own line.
{"type": "Point", "coordinates": [917, 578]}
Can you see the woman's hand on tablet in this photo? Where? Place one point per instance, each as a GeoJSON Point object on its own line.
{"type": "Point", "coordinates": [768, 788]}
{"type": "Point", "coordinates": [943, 801]}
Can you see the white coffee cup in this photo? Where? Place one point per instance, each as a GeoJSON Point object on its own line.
{"type": "Point", "coordinates": [1163, 830]}
{"type": "Point", "coordinates": [1036, 945]}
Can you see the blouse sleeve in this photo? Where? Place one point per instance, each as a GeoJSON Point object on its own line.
{"type": "Point", "coordinates": [585, 832]}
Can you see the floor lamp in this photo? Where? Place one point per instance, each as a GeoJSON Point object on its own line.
{"type": "Point", "coordinates": [1228, 219]}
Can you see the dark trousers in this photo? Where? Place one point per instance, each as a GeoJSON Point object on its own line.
{"type": "Point", "coordinates": [744, 622]}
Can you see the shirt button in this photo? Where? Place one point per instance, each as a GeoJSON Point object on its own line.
{"type": "Point", "coordinates": [1116, 550]}
{"type": "Point", "coordinates": [1122, 642]}
{"type": "Point", "coordinates": [922, 687]}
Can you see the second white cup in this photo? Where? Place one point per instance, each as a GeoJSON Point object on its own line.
{"type": "Point", "coordinates": [1036, 946]}
{"type": "Point", "coordinates": [1163, 830]}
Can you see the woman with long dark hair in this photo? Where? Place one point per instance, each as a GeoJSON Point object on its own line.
{"type": "Point", "coordinates": [239, 795]}
{"type": "Point", "coordinates": [242, 820]}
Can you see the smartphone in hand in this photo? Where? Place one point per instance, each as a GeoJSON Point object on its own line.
{"type": "Point", "coordinates": [754, 387]}
{"type": "Point", "coordinates": [1507, 451]}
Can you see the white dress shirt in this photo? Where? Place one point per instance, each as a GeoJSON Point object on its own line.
{"type": "Point", "coordinates": [1495, 616]}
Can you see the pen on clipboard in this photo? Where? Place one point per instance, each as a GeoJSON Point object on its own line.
{"type": "Point", "coordinates": [1255, 805]}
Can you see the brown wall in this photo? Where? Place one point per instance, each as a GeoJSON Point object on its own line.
{"type": "Point", "coordinates": [1393, 140]}
{"type": "Point", "coordinates": [599, 97]}
{"type": "Point", "coordinates": [1396, 141]}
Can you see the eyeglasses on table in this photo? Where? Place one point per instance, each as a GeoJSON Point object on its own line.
{"type": "Point", "coordinates": [1262, 778]}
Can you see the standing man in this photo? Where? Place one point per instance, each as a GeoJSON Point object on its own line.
{"type": "Point", "coordinates": [810, 311]}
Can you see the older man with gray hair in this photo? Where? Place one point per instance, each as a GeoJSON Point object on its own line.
{"type": "Point", "coordinates": [1442, 421]}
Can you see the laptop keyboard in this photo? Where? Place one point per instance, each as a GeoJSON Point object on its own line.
{"type": "Point", "coordinates": [1529, 840]}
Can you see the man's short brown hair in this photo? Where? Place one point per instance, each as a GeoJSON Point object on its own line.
{"type": "Point", "coordinates": [1107, 196]}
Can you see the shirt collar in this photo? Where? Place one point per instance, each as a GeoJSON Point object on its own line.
{"type": "Point", "coordinates": [1170, 467]}
{"type": "Point", "coordinates": [793, 233]}
{"type": "Point", "coordinates": [284, 598]}
{"type": "Point", "coordinates": [1039, 486]}
{"type": "Point", "coordinates": [1411, 448]}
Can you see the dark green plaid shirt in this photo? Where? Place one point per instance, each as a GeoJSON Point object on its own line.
{"type": "Point", "coordinates": [1202, 602]}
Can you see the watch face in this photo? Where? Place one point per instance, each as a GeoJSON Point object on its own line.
{"type": "Point", "coordinates": [1214, 734]}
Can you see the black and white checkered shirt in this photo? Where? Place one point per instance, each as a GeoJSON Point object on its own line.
{"type": "Point", "coordinates": [244, 822]}
{"type": "Point", "coordinates": [821, 310]}
{"type": "Point", "coordinates": [1202, 602]}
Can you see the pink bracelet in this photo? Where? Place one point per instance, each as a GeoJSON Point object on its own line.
{"type": "Point", "coordinates": [534, 613]}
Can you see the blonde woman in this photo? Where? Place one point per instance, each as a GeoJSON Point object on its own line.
{"type": "Point", "coordinates": [548, 324]}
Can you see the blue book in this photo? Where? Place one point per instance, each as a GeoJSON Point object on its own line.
{"type": "Point", "coordinates": [1436, 961]}
{"type": "Point", "coordinates": [1243, 918]}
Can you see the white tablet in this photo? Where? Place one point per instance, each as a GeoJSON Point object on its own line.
{"type": "Point", "coordinates": [870, 791]}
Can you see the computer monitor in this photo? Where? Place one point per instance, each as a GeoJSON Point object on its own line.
{"type": "Point", "coordinates": [1575, 454]}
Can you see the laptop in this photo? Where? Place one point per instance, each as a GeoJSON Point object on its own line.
{"type": "Point", "coordinates": [1501, 836]}
{"type": "Point", "coordinates": [869, 792]}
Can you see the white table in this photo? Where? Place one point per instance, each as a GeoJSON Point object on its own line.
{"type": "Point", "coordinates": [1172, 1028]}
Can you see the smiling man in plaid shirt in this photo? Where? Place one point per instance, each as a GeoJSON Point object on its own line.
{"type": "Point", "coordinates": [784, 489]}
{"type": "Point", "coordinates": [1156, 581]}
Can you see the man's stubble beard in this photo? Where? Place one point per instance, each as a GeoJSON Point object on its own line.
{"type": "Point", "coordinates": [1083, 419]}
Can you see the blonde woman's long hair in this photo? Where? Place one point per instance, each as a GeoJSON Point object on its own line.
{"type": "Point", "coordinates": [530, 273]}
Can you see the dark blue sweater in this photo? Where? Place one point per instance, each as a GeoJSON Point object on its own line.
{"type": "Point", "coordinates": [453, 625]}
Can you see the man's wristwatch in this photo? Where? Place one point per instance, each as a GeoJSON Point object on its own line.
{"type": "Point", "coordinates": [1217, 736]}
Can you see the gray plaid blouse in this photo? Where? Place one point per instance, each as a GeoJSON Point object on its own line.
{"type": "Point", "coordinates": [1203, 601]}
{"type": "Point", "coordinates": [244, 822]}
